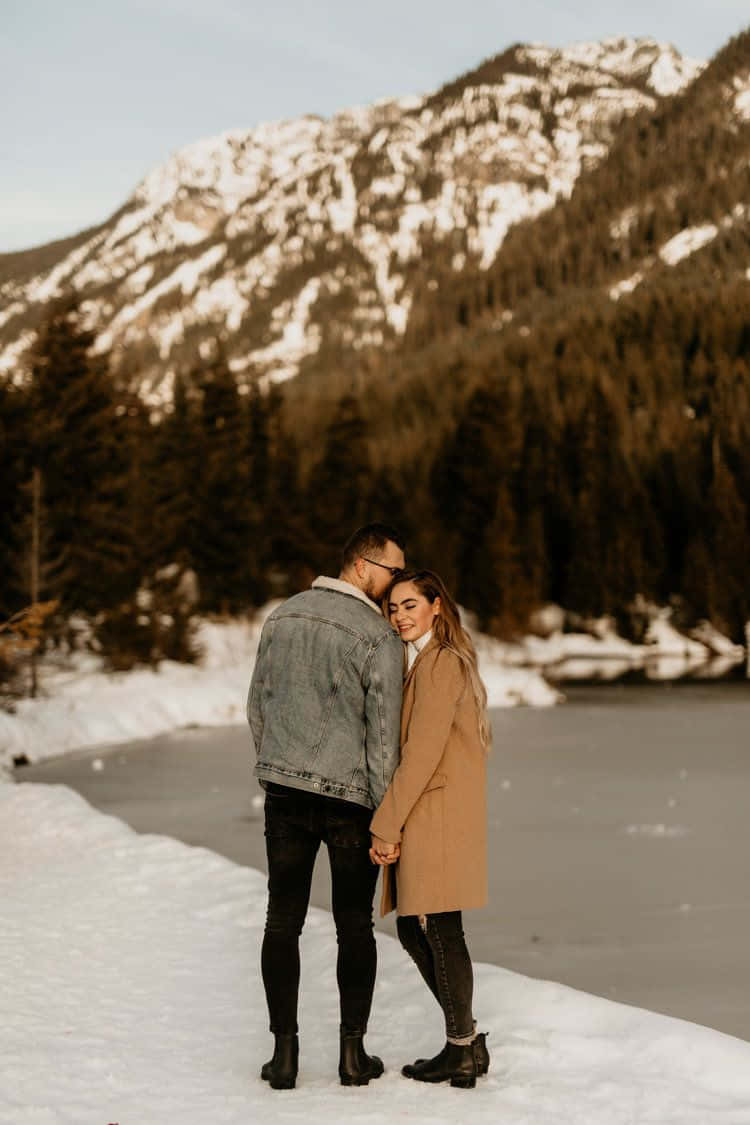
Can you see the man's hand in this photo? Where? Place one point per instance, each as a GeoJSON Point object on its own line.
{"type": "Point", "coordinates": [384, 853]}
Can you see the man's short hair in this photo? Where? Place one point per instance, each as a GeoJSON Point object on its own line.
{"type": "Point", "coordinates": [370, 540]}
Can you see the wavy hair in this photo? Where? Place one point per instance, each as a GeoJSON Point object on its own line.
{"type": "Point", "coordinates": [450, 634]}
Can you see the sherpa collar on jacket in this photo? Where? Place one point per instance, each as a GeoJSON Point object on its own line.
{"type": "Point", "coordinates": [342, 587]}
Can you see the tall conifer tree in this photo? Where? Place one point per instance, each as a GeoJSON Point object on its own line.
{"type": "Point", "coordinates": [77, 441]}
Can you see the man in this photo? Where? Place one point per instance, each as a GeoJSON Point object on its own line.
{"type": "Point", "coordinates": [324, 708]}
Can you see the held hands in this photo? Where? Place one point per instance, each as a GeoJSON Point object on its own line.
{"type": "Point", "coordinates": [384, 853]}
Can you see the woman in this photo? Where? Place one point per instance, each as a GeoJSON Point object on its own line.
{"type": "Point", "coordinates": [434, 812]}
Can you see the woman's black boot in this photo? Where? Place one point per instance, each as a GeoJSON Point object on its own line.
{"type": "Point", "coordinates": [454, 1064]}
{"type": "Point", "coordinates": [356, 1067]}
{"type": "Point", "coordinates": [481, 1054]}
{"type": "Point", "coordinates": [281, 1070]}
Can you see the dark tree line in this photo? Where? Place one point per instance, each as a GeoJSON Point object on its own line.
{"type": "Point", "coordinates": [601, 456]}
{"type": "Point", "coordinates": [607, 453]}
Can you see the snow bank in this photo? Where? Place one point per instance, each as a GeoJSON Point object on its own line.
{"type": "Point", "coordinates": [662, 636]}
{"type": "Point", "coordinates": [566, 646]}
{"type": "Point", "coordinates": [601, 653]}
{"type": "Point", "coordinates": [83, 706]}
{"type": "Point", "coordinates": [131, 994]}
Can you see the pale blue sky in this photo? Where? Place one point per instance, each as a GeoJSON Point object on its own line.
{"type": "Point", "coordinates": [97, 92]}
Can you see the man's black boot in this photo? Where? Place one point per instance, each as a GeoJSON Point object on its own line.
{"type": "Point", "coordinates": [356, 1067]}
{"type": "Point", "coordinates": [281, 1070]}
{"type": "Point", "coordinates": [453, 1064]}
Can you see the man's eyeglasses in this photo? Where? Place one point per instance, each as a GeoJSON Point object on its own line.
{"type": "Point", "coordinates": [392, 570]}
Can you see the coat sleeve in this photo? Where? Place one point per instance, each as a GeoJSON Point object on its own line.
{"type": "Point", "coordinates": [383, 684]}
{"type": "Point", "coordinates": [256, 695]}
{"type": "Point", "coordinates": [438, 686]}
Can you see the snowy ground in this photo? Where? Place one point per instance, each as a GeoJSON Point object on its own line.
{"type": "Point", "coordinates": [131, 994]}
{"type": "Point", "coordinates": [81, 706]}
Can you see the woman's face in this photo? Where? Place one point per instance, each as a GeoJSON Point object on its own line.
{"type": "Point", "coordinates": [410, 612]}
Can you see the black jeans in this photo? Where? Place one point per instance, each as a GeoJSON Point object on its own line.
{"type": "Point", "coordinates": [297, 823]}
{"type": "Point", "coordinates": [439, 952]}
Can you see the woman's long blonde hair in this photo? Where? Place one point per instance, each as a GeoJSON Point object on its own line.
{"type": "Point", "coordinates": [450, 634]}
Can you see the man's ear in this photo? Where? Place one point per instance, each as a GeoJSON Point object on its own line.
{"type": "Point", "coordinates": [359, 566]}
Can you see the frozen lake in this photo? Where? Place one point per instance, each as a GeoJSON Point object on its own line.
{"type": "Point", "coordinates": [619, 835]}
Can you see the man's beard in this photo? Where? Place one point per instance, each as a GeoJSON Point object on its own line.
{"type": "Point", "coordinates": [371, 592]}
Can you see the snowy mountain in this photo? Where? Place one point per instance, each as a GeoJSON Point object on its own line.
{"type": "Point", "coordinates": [664, 210]}
{"type": "Point", "coordinates": [298, 242]}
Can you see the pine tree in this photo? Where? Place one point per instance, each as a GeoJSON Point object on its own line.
{"type": "Point", "coordinates": [77, 443]}
{"type": "Point", "coordinates": [15, 468]}
{"type": "Point", "coordinates": [174, 466]}
{"type": "Point", "coordinates": [471, 486]}
{"type": "Point", "coordinates": [224, 505]}
{"type": "Point", "coordinates": [730, 604]}
{"type": "Point", "coordinates": [339, 484]}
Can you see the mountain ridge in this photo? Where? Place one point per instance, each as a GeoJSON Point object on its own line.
{"type": "Point", "coordinates": [299, 244]}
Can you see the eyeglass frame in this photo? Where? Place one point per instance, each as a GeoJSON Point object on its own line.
{"type": "Point", "coordinates": [393, 570]}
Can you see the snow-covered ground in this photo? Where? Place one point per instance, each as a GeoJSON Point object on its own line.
{"type": "Point", "coordinates": [82, 706]}
{"type": "Point", "coordinates": [131, 994]}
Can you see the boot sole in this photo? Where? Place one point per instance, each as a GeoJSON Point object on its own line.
{"type": "Point", "coordinates": [409, 1073]}
{"type": "Point", "coordinates": [347, 1080]}
{"type": "Point", "coordinates": [481, 1070]}
{"type": "Point", "coordinates": [463, 1082]}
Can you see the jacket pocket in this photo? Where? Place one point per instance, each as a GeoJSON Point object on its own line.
{"type": "Point", "coordinates": [437, 781]}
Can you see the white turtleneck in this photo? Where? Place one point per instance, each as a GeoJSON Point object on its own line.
{"type": "Point", "coordinates": [413, 648]}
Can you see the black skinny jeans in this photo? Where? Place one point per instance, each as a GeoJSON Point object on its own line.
{"type": "Point", "coordinates": [439, 952]}
{"type": "Point", "coordinates": [297, 823]}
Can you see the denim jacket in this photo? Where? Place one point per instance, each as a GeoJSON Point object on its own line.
{"type": "Point", "coordinates": [324, 704]}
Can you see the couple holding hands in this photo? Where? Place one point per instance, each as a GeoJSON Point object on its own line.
{"type": "Point", "coordinates": [370, 728]}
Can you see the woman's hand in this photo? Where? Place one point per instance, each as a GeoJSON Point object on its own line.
{"type": "Point", "coordinates": [384, 853]}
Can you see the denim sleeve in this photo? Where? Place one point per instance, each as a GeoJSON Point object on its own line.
{"type": "Point", "coordinates": [255, 696]}
{"type": "Point", "coordinates": [383, 688]}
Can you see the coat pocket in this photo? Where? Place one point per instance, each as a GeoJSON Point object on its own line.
{"type": "Point", "coordinates": [437, 781]}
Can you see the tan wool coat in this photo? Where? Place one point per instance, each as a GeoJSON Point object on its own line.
{"type": "Point", "coordinates": [435, 805]}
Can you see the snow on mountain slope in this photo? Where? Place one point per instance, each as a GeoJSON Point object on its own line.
{"type": "Point", "coordinates": [305, 234]}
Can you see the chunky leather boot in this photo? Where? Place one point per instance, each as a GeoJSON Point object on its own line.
{"type": "Point", "coordinates": [410, 1070]}
{"type": "Point", "coordinates": [356, 1067]}
{"type": "Point", "coordinates": [481, 1055]}
{"type": "Point", "coordinates": [281, 1070]}
{"type": "Point", "coordinates": [453, 1064]}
